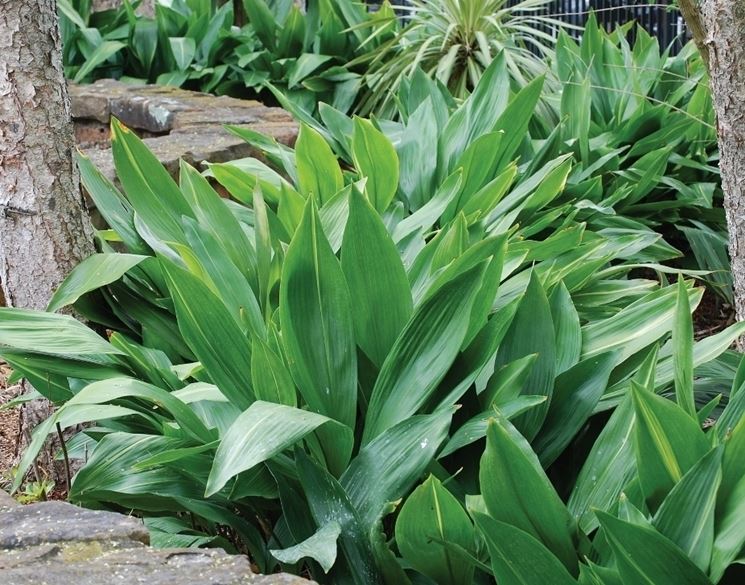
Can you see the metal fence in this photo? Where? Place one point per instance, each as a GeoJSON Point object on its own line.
{"type": "Point", "coordinates": [657, 18]}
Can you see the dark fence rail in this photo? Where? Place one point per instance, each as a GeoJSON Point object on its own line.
{"type": "Point", "coordinates": [657, 18]}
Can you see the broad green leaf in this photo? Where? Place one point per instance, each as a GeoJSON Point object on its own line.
{"type": "Point", "coordinates": [422, 354]}
{"type": "Point", "coordinates": [567, 328]}
{"type": "Point", "coordinates": [376, 159]}
{"type": "Point", "coordinates": [111, 204]}
{"type": "Point", "coordinates": [259, 433]}
{"type": "Point", "coordinates": [320, 547]}
{"type": "Point", "coordinates": [102, 53]}
{"type": "Point", "coordinates": [318, 171]}
{"type": "Point", "coordinates": [315, 313]}
{"type": "Point", "coordinates": [683, 351]}
{"type": "Point", "coordinates": [65, 418]}
{"type": "Point", "coordinates": [306, 64]}
{"type": "Point", "coordinates": [517, 492]}
{"type": "Point", "coordinates": [517, 558]}
{"type": "Point", "coordinates": [263, 22]}
{"type": "Point", "coordinates": [116, 388]}
{"type": "Point", "coordinates": [376, 278]}
{"type": "Point", "coordinates": [430, 517]}
{"type": "Point", "coordinates": [686, 516]}
{"type": "Point", "coordinates": [183, 50]}
{"type": "Point", "coordinates": [329, 503]}
{"type": "Point", "coordinates": [667, 443]}
{"type": "Point", "coordinates": [50, 333]}
{"type": "Point", "coordinates": [729, 528]}
{"type": "Point", "coordinates": [94, 272]}
{"type": "Point", "coordinates": [645, 557]}
{"type": "Point", "coordinates": [636, 326]}
{"type": "Point", "coordinates": [212, 333]}
{"type": "Point", "coordinates": [214, 215]}
{"type": "Point", "coordinates": [316, 318]}
{"type": "Point", "coordinates": [396, 459]}
{"type": "Point", "coordinates": [270, 377]}
{"type": "Point", "coordinates": [532, 332]}
{"type": "Point", "coordinates": [152, 192]}
{"type": "Point", "coordinates": [475, 428]}
{"type": "Point", "coordinates": [576, 393]}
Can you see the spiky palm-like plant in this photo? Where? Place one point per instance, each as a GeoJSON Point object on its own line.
{"type": "Point", "coordinates": [455, 40]}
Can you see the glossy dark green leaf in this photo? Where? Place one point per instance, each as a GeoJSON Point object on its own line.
{"type": "Point", "coordinates": [683, 351]}
{"type": "Point", "coordinates": [517, 558]}
{"type": "Point", "coordinates": [259, 433]}
{"type": "Point", "coordinates": [517, 492]}
{"type": "Point", "coordinates": [645, 557]}
{"type": "Point", "coordinates": [422, 354]}
{"type": "Point", "coordinates": [532, 332]}
{"type": "Point", "coordinates": [318, 171]}
{"type": "Point", "coordinates": [385, 469]}
{"type": "Point", "coordinates": [152, 192]}
{"type": "Point", "coordinates": [376, 278]}
{"type": "Point", "coordinates": [50, 333]}
{"type": "Point", "coordinates": [376, 159]}
{"type": "Point", "coordinates": [686, 516]}
{"type": "Point", "coordinates": [667, 443]}
{"type": "Point", "coordinates": [212, 333]}
{"type": "Point", "coordinates": [576, 393]}
{"type": "Point", "coordinates": [320, 547]}
{"type": "Point", "coordinates": [92, 273]}
{"type": "Point", "coordinates": [430, 516]}
{"type": "Point", "coordinates": [329, 503]}
{"type": "Point", "coordinates": [316, 318]}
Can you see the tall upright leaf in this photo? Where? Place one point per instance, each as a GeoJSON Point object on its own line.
{"type": "Point", "coordinates": [532, 332]}
{"type": "Point", "coordinates": [422, 354]}
{"type": "Point", "coordinates": [376, 159]}
{"type": "Point", "coordinates": [377, 279]}
{"type": "Point", "coordinates": [430, 518]}
{"type": "Point", "coordinates": [645, 557]}
{"type": "Point", "coordinates": [667, 443]}
{"type": "Point", "coordinates": [315, 312]}
{"type": "Point", "coordinates": [683, 351]}
{"type": "Point", "coordinates": [517, 492]}
{"type": "Point", "coordinates": [318, 171]}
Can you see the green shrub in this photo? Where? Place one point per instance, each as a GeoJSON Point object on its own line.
{"type": "Point", "coordinates": [638, 123]}
{"type": "Point", "coordinates": [642, 128]}
{"type": "Point", "coordinates": [285, 369]}
{"type": "Point", "coordinates": [195, 44]}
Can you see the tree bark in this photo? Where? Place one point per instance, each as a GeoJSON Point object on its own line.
{"type": "Point", "coordinates": [44, 228]}
{"type": "Point", "coordinates": [718, 27]}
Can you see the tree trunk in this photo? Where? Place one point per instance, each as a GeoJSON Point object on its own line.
{"type": "Point", "coordinates": [44, 229]}
{"type": "Point", "coordinates": [718, 27]}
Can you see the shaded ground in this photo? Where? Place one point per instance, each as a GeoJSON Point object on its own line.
{"type": "Point", "coordinates": [8, 423]}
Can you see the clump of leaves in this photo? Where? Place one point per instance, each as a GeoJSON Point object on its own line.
{"type": "Point", "coordinates": [198, 45]}
{"type": "Point", "coordinates": [288, 367]}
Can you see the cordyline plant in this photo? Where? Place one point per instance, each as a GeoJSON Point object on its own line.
{"type": "Point", "coordinates": [455, 41]}
{"type": "Point", "coordinates": [361, 373]}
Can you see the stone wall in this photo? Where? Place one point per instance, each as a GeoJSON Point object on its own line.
{"type": "Point", "coordinates": [174, 123]}
{"type": "Point", "coordinates": [55, 543]}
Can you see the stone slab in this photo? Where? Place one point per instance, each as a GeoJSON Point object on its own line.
{"type": "Point", "coordinates": [174, 123]}
{"type": "Point", "coordinates": [160, 109]}
{"type": "Point", "coordinates": [56, 543]}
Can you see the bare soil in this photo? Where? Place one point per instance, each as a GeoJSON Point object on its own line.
{"type": "Point", "coordinates": [9, 423]}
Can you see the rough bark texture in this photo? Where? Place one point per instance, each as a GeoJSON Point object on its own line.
{"type": "Point", "coordinates": [720, 29]}
{"type": "Point", "coordinates": [44, 230]}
